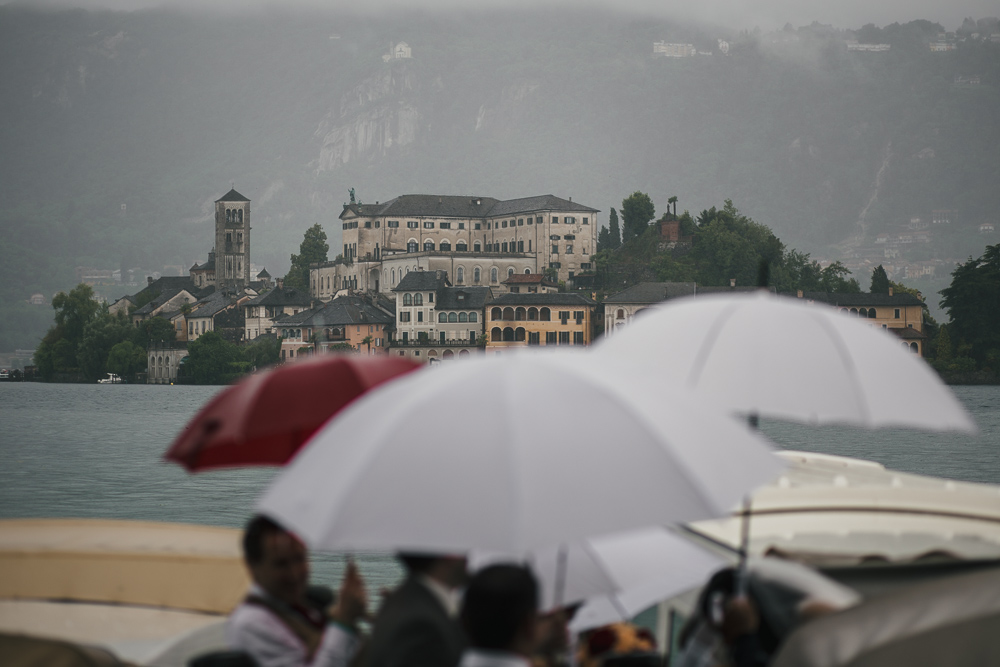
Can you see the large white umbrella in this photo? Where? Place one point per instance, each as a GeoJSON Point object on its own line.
{"type": "Point", "coordinates": [757, 354]}
{"type": "Point", "coordinates": [512, 454]}
{"type": "Point", "coordinates": [616, 571]}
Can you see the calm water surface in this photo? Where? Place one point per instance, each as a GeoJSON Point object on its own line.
{"type": "Point", "coordinates": [95, 451]}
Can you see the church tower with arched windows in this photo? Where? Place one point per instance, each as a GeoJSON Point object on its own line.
{"type": "Point", "coordinates": [232, 241]}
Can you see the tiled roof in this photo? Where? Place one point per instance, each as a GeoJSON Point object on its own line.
{"type": "Point", "coordinates": [725, 289]}
{"type": "Point", "coordinates": [211, 305]}
{"type": "Point", "coordinates": [422, 281]}
{"type": "Point", "coordinates": [452, 206]}
{"type": "Point", "coordinates": [282, 296]}
{"type": "Point", "coordinates": [232, 195]}
{"type": "Point", "coordinates": [528, 279]}
{"type": "Point", "coordinates": [863, 300]}
{"type": "Point", "coordinates": [263, 274]}
{"type": "Point", "coordinates": [458, 298]}
{"type": "Point", "coordinates": [907, 333]}
{"type": "Point", "coordinates": [539, 203]}
{"type": "Point", "coordinates": [342, 311]}
{"type": "Point", "coordinates": [533, 299]}
{"type": "Point", "coordinates": [652, 292]}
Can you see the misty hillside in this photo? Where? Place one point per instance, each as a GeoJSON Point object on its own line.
{"type": "Point", "coordinates": [163, 111]}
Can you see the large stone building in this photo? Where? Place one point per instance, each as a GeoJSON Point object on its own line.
{"type": "Point", "coordinates": [476, 241]}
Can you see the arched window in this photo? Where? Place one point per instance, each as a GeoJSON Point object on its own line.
{"type": "Point", "coordinates": [854, 311]}
{"type": "Point", "coordinates": [871, 314]}
{"type": "Point", "coordinates": [229, 217]}
{"type": "Point", "coordinates": [393, 277]}
{"type": "Point", "coordinates": [240, 215]}
{"type": "Point", "coordinates": [496, 335]}
{"type": "Point", "coordinates": [504, 247]}
{"type": "Point", "coordinates": [520, 246]}
{"type": "Point", "coordinates": [442, 317]}
{"type": "Point", "coordinates": [843, 310]}
{"type": "Point", "coordinates": [460, 275]}
{"type": "Point", "coordinates": [463, 353]}
{"type": "Point", "coordinates": [545, 315]}
{"type": "Point", "coordinates": [428, 245]}
{"type": "Point", "coordinates": [473, 317]}
{"type": "Point", "coordinates": [477, 246]}
{"type": "Point", "coordinates": [508, 335]}
{"type": "Point", "coordinates": [461, 246]}
{"type": "Point", "coordinates": [532, 314]}
{"type": "Point", "coordinates": [411, 246]}
{"type": "Point", "coordinates": [476, 275]}
{"type": "Point", "coordinates": [453, 317]}
{"type": "Point", "coordinates": [519, 334]}
{"type": "Point", "coordinates": [494, 275]}
{"type": "Point", "coordinates": [863, 312]}
{"type": "Point", "coordinates": [508, 314]}
{"type": "Point", "coordinates": [510, 271]}
{"type": "Point", "coordinates": [407, 299]}
{"type": "Point", "coordinates": [418, 299]}
{"type": "Point", "coordinates": [445, 246]}
{"type": "Point", "coordinates": [519, 314]}
{"type": "Point", "coordinates": [496, 314]}
{"type": "Point", "coordinates": [527, 272]}
{"type": "Point", "coordinates": [463, 317]}
{"type": "Point", "coordinates": [448, 354]}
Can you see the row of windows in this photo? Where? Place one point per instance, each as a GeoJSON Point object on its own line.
{"type": "Point", "coordinates": [512, 335]}
{"type": "Point", "coordinates": [521, 314]}
{"type": "Point", "coordinates": [501, 224]}
{"type": "Point", "coordinates": [234, 216]}
{"type": "Point", "coordinates": [458, 317]}
{"type": "Point", "coordinates": [867, 312]}
{"type": "Point", "coordinates": [417, 299]}
{"type": "Point", "coordinates": [423, 337]}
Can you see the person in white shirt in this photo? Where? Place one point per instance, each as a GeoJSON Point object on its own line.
{"type": "Point", "coordinates": [275, 624]}
{"type": "Point", "coordinates": [499, 614]}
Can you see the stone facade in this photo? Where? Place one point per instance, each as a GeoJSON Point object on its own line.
{"type": "Point", "coordinates": [519, 320]}
{"type": "Point", "coordinates": [163, 362]}
{"type": "Point", "coordinates": [463, 236]}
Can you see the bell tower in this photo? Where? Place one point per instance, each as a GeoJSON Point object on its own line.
{"type": "Point", "coordinates": [232, 241]}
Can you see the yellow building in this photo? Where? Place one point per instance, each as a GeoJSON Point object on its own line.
{"type": "Point", "coordinates": [522, 319]}
{"type": "Point", "coordinates": [900, 314]}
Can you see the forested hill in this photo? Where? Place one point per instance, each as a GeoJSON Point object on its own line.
{"type": "Point", "coordinates": [163, 112]}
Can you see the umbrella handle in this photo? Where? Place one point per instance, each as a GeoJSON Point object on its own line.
{"type": "Point", "coordinates": [741, 573]}
{"type": "Point", "coordinates": [560, 584]}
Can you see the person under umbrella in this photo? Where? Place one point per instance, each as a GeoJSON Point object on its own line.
{"type": "Point", "coordinates": [416, 623]}
{"type": "Point", "coordinates": [276, 625]}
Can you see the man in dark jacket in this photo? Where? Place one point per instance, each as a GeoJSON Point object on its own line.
{"type": "Point", "coordinates": [416, 625]}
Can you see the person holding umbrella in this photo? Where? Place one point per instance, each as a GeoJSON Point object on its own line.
{"type": "Point", "coordinates": [275, 624]}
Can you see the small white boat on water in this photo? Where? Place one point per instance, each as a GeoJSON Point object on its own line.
{"type": "Point", "coordinates": [111, 379]}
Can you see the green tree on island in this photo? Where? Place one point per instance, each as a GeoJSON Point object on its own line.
{"type": "Point", "coordinates": [615, 230]}
{"type": "Point", "coordinates": [313, 249]}
{"type": "Point", "coordinates": [637, 211]}
{"type": "Point", "coordinates": [971, 302]}
{"type": "Point", "coordinates": [880, 281]}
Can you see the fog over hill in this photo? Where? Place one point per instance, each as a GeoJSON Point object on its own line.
{"type": "Point", "coordinates": [119, 129]}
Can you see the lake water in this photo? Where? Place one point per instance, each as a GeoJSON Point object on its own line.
{"type": "Point", "coordinates": [96, 451]}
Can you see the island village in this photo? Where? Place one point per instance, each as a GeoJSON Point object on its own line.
{"type": "Point", "coordinates": [430, 277]}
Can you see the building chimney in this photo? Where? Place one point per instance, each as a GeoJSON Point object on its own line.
{"type": "Point", "coordinates": [890, 291]}
{"type": "Point", "coordinates": [149, 280]}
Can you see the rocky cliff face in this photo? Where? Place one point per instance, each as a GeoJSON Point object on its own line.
{"type": "Point", "coordinates": [377, 115]}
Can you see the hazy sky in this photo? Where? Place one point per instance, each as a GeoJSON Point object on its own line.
{"type": "Point", "coordinates": [733, 13]}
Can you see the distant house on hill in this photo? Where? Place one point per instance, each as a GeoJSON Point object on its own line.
{"type": "Point", "coordinates": [401, 51]}
{"type": "Point", "coordinates": [670, 50]}
{"type": "Point", "coordinates": [900, 314]}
